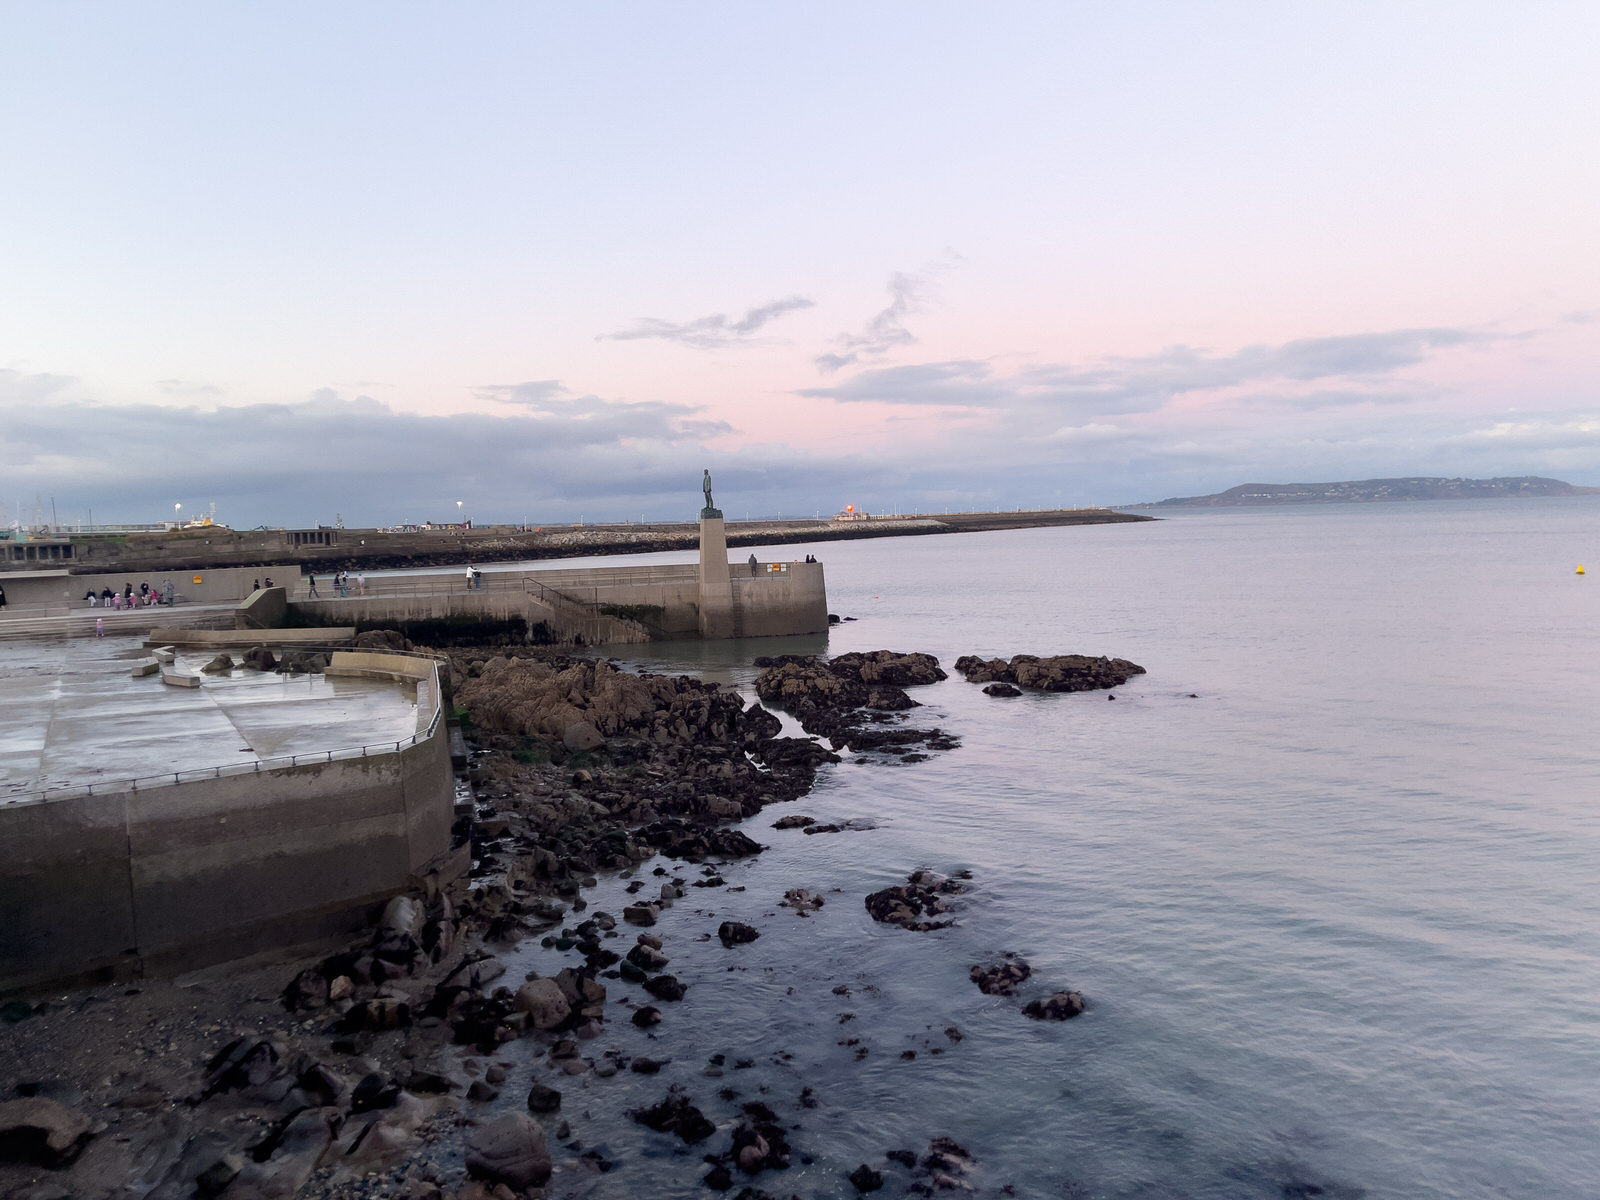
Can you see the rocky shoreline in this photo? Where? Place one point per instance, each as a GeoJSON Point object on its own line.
{"type": "Point", "coordinates": [379, 1069]}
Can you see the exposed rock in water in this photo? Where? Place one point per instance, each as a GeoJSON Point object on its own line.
{"type": "Point", "coordinates": [1062, 1006]}
{"type": "Point", "coordinates": [801, 900]}
{"type": "Point", "coordinates": [888, 667]}
{"type": "Point", "coordinates": [220, 665]}
{"type": "Point", "coordinates": [865, 1179]}
{"type": "Point", "coordinates": [1001, 978]}
{"type": "Point", "coordinates": [542, 1099]}
{"type": "Point", "coordinates": [793, 821]}
{"type": "Point", "coordinates": [735, 933]}
{"type": "Point", "coordinates": [912, 904]}
{"type": "Point", "coordinates": [1002, 690]}
{"type": "Point", "coordinates": [838, 697]}
{"type": "Point", "coordinates": [666, 987]}
{"type": "Point", "coordinates": [675, 1115]}
{"type": "Point", "coordinates": [1061, 673]}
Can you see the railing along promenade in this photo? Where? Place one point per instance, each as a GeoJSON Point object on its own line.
{"type": "Point", "coordinates": [268, 763]}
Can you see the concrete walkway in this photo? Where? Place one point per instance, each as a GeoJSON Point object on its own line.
{"type": "Point", "coordinates": [70, 714]}
{"type": "Point", "coordinates": [80, 622]}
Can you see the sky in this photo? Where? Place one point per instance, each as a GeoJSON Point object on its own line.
{"type": "Point", "coordinates": [362, 261]}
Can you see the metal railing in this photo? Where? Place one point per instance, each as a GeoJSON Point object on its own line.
{"type": "Point", "coordinates": [271, 763]}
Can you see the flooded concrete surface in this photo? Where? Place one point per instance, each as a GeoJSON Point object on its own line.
{"type": "Point", "coordinates": [71, 714]}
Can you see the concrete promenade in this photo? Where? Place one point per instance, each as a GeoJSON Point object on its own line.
{"type": "Point", "coordinates": [71, 716]}
{"type": "Point", "coordinates": [115, 880]}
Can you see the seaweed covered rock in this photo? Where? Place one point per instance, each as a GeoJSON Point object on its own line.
{"type": "Point", "coordinates": [1062, 1006]}
{"type": "Point", "coordinates": [887, 667]}
{"type": "Point", "coordinates": [675, 1115]}
{"type": "Point", "coordinates": [1061, 673]}
{"type": "Point", "coordinates": [1001, 978]}
{"type": "Point", "coordinates": [839, 698]}
{"type": "Point", "coordinates": [913, 904]}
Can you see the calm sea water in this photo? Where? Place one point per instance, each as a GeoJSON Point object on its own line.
{"type": "Point", "coordinates": [1337, 913]}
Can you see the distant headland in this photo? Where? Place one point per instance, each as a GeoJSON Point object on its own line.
{"type": "Point", "coordinates": [1359, 491]}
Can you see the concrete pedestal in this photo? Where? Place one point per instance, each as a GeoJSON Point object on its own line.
{"type": "Point", "coordinates": [716, 586]}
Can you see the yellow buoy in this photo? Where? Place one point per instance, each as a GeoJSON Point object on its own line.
{"type": "Point", "coordinates": [1580, 568]}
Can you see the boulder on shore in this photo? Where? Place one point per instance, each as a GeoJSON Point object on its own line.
{"type": "Point", "coordinates": [509, 1150]}
{"type": "Point", "coordinates": [544, 1003]}
{"type": "Point", "coordinates": [43, 1131]}
{"type": "Point", "coordinates": [581, 735]}
{"type": "Point", "coordinates": [382, 639]}
{"type": "Point", "coordinates": [259, 658]}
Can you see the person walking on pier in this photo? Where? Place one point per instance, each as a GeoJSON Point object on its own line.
{"type": "Point", "coordinates": [312, 581]}
{"type": "Point", "coordinates": [2, 598]}
{"type": "Point", "coordinates": [752, 564]}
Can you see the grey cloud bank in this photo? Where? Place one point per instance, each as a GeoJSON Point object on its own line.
{"type": "Point", "coordinates": [1147, 383]}
{"type": "Point", "coordinates": [555, 456]}
{"type": "Point", "coordinates": [885, 331]}
{"type": "Point", "coordinates": [712, 332]}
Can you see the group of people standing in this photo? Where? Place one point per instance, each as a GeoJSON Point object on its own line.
{"type": "Point", "coordinates": [128, 598]}
{"type": "Point", "coordinates": [341, 584]}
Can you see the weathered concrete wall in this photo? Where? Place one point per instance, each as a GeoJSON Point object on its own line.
{"type": "Point", "coordinates": [778, 603]}
{"type": "Point", "coordinates": [670, 594]}
{"type": "Point", "coordinates": [265, 609]}
{"type": "Point", "coordinates": [204, 870]}
{"type": "Point", "coordinates": [215, 587]}
{"type": "Point", "coordinates": [656, 602]}
{"type": "Point", "coordinates": [567, 622]}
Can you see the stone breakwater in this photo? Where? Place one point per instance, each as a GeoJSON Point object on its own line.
{"type": "Point", "coordinates": [379, 1070]}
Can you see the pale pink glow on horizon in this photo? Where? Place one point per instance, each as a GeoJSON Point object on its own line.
{"type": "Point", "coordinates": [1118, 253]}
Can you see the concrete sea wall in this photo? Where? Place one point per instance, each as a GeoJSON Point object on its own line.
{"type": "Point", "coordinates": [165, 876]}
{"type": "Point", "coordinates": [63, 592]}
{"type": "Point", "coordinates": [600, 606]}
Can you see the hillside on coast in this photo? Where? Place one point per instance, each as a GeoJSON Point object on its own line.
{"type": "Point", "coordinates": [1368, 490]}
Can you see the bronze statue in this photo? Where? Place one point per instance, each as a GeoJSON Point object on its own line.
{"type": "Point", "coordinates": [705, 486]}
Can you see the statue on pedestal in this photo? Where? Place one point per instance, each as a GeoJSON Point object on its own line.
{"type": "Point", "coordinates": [708, 512]}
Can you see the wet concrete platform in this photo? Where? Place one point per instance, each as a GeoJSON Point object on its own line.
{"type": "Point", "coordinates": [71, 714]}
